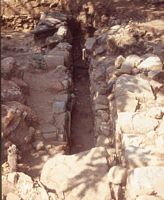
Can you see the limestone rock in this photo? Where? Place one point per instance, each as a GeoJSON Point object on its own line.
{"type": "Point", "coordinates": [11, 92]}
{"type": "Point", "coordinates": [148, 197]}
{"type": "Point", "coordinates": [89, 44]}
{"type": "Point", "coordinates": [143, 124]}
{"type": "Point", "coordinates": [22, 84]}
{"type": "Point", "coordinates": [83, 175]}
{"type": "Point", "coordinates": [132, 60]}
{"type": "Point", "coordinates": [161, 128]}
{"type": "Point", "coordinates": [117, 192]}
{"type": "Point", "coordinates": [7, 65]}
{"type": "Point", "coordinates": [119, 60]}
{"type": "Point", "coordinates": [52, 61]}
{"type": "Point", "coordinates": [12, 196]}
{"type": "Point", "coordinates": [129, 90]}
{"type": "Point", "coordinates": [62, 31]}
{"type": "Point", "coordinates": [99, 50]}
{"type": "Point", "coordinates": [145, 180]}
{"type": "Point", "coordinates": [117, 175]}
{"type": "Point", "coordinates": [26, 111]}
{"type": "Point", "coordinates": [129, 63]}
{"type": "Point", "coordinates": [61, 52]}
{"type": "Point", "coordinates": [102, 141]}
{"type": "Point", "coordinates": [126, 69]}
{"type": "Point", "coordinates": [59, 107]}
{"type": "Point", "coordinates": [151, 63]}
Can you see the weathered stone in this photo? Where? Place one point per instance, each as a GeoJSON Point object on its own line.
{"type": "Point", "coordinates": [132, 140]}
{"type": "Point", "coordinates": [156, 74]}
{"type": "Point", "coordinates": [102, 141]}
{"type": "Point", "coordinates": [132, 60]}
{"type": "Point", "coordinates": [129, 89]}
{"type": "Point", "coordinates": [148, 197]}
{"type": "Point", "coordinates": [75, 181]}
{"type": "Point", "coordinates": [145, 156]}
{"type": "Point", "coordinates": [61, 52]}
{"type": "Point", "coordinates": [117, 192]}
{"type": "Point", "coordinates": [155, 112]}
{"type": "Point", "coordinates": [98, 74]}
{"type": "Point", "coordinates": [62, 97]}
{"type": "Point", "coordinates": [52, 61]}
{"type": "Point", "coordinates": [7, 65]}
{"type": "Point", "coordinates": [129, 63]}
{"type": "Point", "coordinates": [126, 68]}
{"type": "Point", "coordinates": [118, 62]}
{"type": "Point", "coordinates": [25, 187]}
{"type": "Point", "coordinates": [38, 145]}
{"type": "Point", "coordinates": [59, 107]}
{"type": "Point", "coordinates": [101, 99]}
{"type": "Point", "coordinates": [137, 123]}
{"type": "Point", "coordinates": [22, 84]}
{"type": "Point", "coordinates": [99, 50]}
{"type": "Point", "coordinates": [12, 196]}
{"type": "Point", "coordinates": [143, 124]}
{"type": "Point", "coordinates": [53, 40]}
{"type": "Point", "coordinates": [12, 158]}
{"type": "Point", "coordinates": [101, 107]}
{"type": "Point", "coordinates": [105, 129]}
{"type": "Point", "coordinates": [62, 31]}
{"type": "Point", "coordinates": [151, 63]}
{"type": "Point", "coordinates": [145, 180]}
{"type": "Point", "coordinates": [159, 141]}
{"type": "Point", "coordinates": [61, 122]}
{"type": "Point", "coordinates": [89, 44]}
{"type": "Point", "coordinates": [161, 128]}
{"type": "Point", "coordinates": [117, 175]}
{"type": "Point", "coordinates": [11, 92]}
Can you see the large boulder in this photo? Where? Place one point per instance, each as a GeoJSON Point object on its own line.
{"type": "Point", "coordinates": [79, 176]}
{"type": "Point", "coordinates": [11, 92]}
{"type": "Point", "coordinates": [151, 63]}
{"type": "Point", "coordinates": [130, 90]}
{"type": "Point", "coordinates": [145, 180]}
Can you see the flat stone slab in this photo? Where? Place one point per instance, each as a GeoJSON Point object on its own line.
{"type": "Point", "coordinates": [79, 176]}
{"type": "Point", "coordinates": [145, 180]}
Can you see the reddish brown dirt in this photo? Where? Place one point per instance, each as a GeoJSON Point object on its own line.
{"type": "Point", "coordinates": [22, 46]}
{"type": "Point", "coordinates": [82, 118]}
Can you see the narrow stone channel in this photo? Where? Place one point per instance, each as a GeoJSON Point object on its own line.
{"type": "Point", "coordinates": [82, 137]}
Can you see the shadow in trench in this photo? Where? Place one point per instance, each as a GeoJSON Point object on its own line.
{"type": "Point", "coordinates": [82, 134]}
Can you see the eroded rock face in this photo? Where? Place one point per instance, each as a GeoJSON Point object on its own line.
{"type": "Point", "coordinates": [73, 172]}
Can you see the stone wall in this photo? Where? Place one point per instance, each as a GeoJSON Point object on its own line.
{"type": "Point", "coordinates": [20, 123]}
{"type": "Point", "coordinates": [127, 93]}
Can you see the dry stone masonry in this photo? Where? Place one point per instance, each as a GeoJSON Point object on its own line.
{"type": "Point", "coordinates": [128, 113]}
{"type": "Point", "coordinates": [126, 73]}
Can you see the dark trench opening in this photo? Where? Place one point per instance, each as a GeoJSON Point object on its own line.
{"type": "Point", "coordinates": [82, 134]}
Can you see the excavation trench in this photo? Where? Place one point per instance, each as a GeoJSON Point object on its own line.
{"type": "Point", "coordinates": [82, 135]}
{"type": "Point", "coordinates": [42, 97]}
